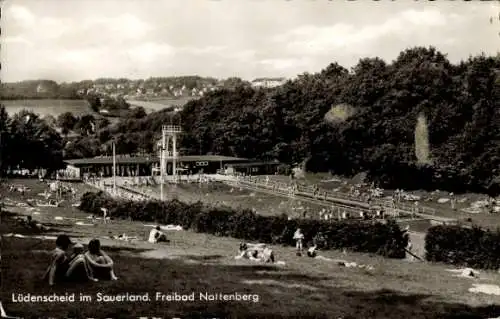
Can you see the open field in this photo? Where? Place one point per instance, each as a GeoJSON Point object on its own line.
{"type": "Point", "coordinates": [48, 107]}
{"type": "Point", "coordinates": [302, 288]}
{"type": "Point", "coordinates": [219, 194]}
{"type": "Point", "coordinates": [154, 105]}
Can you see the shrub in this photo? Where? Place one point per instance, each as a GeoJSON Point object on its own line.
{"type": "Point", "coordinates": [383, 239]}
{"type": "Point", "coordinates": [470, 247]}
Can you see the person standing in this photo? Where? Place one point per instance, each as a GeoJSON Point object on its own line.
{"type": "Point", "coordinates": [299, 238]}
{"type": "Point", "coordinates": [104, 215]}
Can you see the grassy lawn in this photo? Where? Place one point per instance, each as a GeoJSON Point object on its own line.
{"type": "Point", "coordinates": [158, 104]}
{"type": "Point", "coordinates": [219, 194]}
{"type": "Point", "coordinates": [193, 262]}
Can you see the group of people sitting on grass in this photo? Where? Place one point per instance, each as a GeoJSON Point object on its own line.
{"type": "Point", "coordinates": [256, 252]}
{"type": "Point", "coordinates": [262, 253]}
{"type": "Point", "coordinates": [78, 265]}
{"type": "Point", "coordinates": [29, 223]}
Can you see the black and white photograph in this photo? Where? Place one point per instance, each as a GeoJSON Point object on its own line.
{"type": "Point", "coordinates": [333, 159]}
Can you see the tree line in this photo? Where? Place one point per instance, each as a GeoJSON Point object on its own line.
{"type": "Point", "coordinates": [28, 142]}
{"type": "Point", "coordinates": [377, 118]}
{"type": "Point", "coordinates": [38, 89]}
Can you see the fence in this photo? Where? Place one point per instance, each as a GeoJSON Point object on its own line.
{"type": "Point", "coordinates": [289, 189]}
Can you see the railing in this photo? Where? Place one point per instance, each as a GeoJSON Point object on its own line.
{"type": "Point", "coordinates": [326, 195]}
{"type": "Point", "coordinates": [172, 128]}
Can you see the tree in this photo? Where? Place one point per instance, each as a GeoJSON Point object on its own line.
{"type": "Point", "coordinates": [32, 135]}
{"type": "Point", "coordinates": [138, 113]}
{"type": "Point", "coordinates": [85, 125]}
{"type": "Point", "coordinates": [66, 121]}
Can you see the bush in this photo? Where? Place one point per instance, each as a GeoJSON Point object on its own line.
{"type": "Point", "coordinates": [384, 239]}
{"type": "Point", "coordinates": [469, 247]}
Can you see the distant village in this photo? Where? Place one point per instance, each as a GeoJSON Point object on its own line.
{"type": "Point", "coordinates": [141, 90]}
{"type": "Point", "coordinates": [151, 89]}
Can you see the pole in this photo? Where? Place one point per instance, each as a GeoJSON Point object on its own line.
{"type": "Point", "coordinates": [162, 159]}
{"type": "Point", "coordinates": [174, 157]}
{"type": "Point", "coordinates": [114, 169]}
{"type": "Point", "coordinates": [161, 173]}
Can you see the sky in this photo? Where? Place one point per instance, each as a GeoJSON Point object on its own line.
{"type": "Point", "coordinates": [73, 40]}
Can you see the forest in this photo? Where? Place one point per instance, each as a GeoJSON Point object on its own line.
{"type": "Point", "coordinates": [419, 122]}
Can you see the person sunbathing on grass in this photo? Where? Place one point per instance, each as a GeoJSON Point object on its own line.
{"type": "Point", "coordinates": [157, 236]}
{"type": "Point", "coordinates": [311, 251]}
{"type": "Point", "coordinates": [60, 261]}
{"type": "Point", "coordinates": [256, 252]}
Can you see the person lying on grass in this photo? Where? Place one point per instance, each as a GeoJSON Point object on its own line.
{"type": "Point", "coordinates": [157, 236]}
{"type": "Point", "coordinates": [256, 252]}
{"type": "Point", "coordinates": [60, 262]}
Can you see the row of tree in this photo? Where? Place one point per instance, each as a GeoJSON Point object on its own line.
{"type": "Point", "coordinates": [364, 119]}
{"type": "Point", "coordinates": [418, 122]}
{"type": "Point", "coordinates": [39, 89]}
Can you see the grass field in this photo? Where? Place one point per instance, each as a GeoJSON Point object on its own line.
{"type": "Point", "coordinates": [219, 194]}
{"type": "Point", "coordinates": [48, 107]}
{"type": "Point", "coordinates": [159, 104]}
{"type": "Point", "coordinates": [193, 262]}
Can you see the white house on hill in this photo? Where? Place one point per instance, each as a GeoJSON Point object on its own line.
{"type": "Point", "coordinates": [268, 82]}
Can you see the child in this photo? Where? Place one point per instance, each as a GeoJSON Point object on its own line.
{"type": "Point", "coordinates": [299, 237]}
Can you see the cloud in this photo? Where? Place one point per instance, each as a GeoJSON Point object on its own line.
{"type": "Point", "coordinates": [125, 25]}
{"type": "Point", "coordinates": [149, 52]}
{"type": "Point", "coordinates": [284, 64]}
{"type": "Point", "coordinates": [16, 40]}
{"type": "Point", "coordinates": [310, 39]}
{"type": "Point", "coordinates": [74, 40]}
{"type": "Point", "coordinates": [22, 15]}
{"type": "Point", "coordinates": [211, 49]}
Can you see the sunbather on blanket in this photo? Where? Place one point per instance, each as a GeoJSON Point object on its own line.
{"type": "Point", "coordinates": [256, 252]}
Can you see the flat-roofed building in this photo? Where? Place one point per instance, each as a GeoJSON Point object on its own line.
{"type": "Point", "coordinates": [143, 165]}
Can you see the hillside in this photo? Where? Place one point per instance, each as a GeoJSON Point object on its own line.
{"type": "Point", "coordinates": [366, 120]}
{"type": "Point", "coordinates": [419, 122]}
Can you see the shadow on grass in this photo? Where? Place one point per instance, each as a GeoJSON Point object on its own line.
{"type": "Point", "coordinates": [275, 272]}
{"type": "Point", "coordinates": [203, 257]}
{"type": "Point", "coordinates": [168, 276]}
{"type": "Point", "coordinates": [22, 270]}
{"type": "Point", "coordinates": [11, 224]}
{"type": "Point", "coordinates": [416, 305]}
